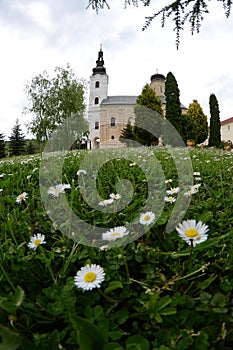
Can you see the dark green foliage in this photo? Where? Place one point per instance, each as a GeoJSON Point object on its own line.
{"type": "Point", "coordinates": [158, 293]}
{"type": "Point", "coordinates": [2, 146]}
{"type": "Point", "coordinates": [148, 113]}
{"type": "Point", "coordinates": [189, 128]}
{"type": "Point", "coordinates": [215, 124]}
{"type": "Point", "coordinates": [52, 100]}
{"type": "Point", "coordinates": [17, 140]}
{"type": "Point", "coordinates": [31, 148]}
{"type": "Point", "coordinates": [196, 113]}
{"type": "Point", "coordinates": [173, 108]}
{"type": "Point", "coordinates": [127, 135]}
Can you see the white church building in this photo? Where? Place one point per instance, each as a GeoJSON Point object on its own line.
{"type": "Point", "coordinates": [108, 115]}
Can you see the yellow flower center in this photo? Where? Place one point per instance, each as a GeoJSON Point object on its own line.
{"type": "Point", "coordinates": [90, 276]}
{"type": "Point", "coordinates": [115, 234]}
{"type": "Point", "coordinates": [37, 241]}
{"type": "Point", "coordinates": [191, 232]}
{"type": "Point", "coordinates": [147, 217]}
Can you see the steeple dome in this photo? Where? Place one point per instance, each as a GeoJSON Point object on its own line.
{"type": "Point", "coordinates": [99, 69]}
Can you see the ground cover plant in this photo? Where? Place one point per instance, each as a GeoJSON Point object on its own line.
{"type": "Point", "coordinates": [161, 290]}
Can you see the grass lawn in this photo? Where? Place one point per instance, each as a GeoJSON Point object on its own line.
{"type": "Point", "coordinates": [123, 249]}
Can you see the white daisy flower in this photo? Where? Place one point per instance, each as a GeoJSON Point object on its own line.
{"type": "Point", "coordinates": [81, 171]}
{"type": "Point", "coordinates": [197, 173]}
{"type": "Point", "coordinates": [66, 186]}
{"type": "Point", "coordinates": [106, 202]}
{"type": "Point", "coordinates": [188, 194]}
{"type": "Point", "coordinates": [115, 233]}
{"type": "Point", "coordinates": [36, 240]}
{"type": "Point", "coordinates": [198, 178]}
{"type": "Point", "coordinates": [195, 188]}
{"type": "Point", "coordinates": [169, 199]}
{"type": "Point", "coordinates": [168, 181]}
{"type": "Point", "coordinates": [104, 247]}
{"type": "Point", "coordinates": [22, 197]}
{"type": "Point", "coordinates": [147, 218]}
{"type": "Point", "coordinates": [192, 232]}
{"type": "Point", "coordinates": [115, 196]}
{"type": "Point", "coordinates": [173, 190]}
{"type": "Point", "coordinates": [89, 277]}
{"type": "Point", "coordinates": [58, 189]}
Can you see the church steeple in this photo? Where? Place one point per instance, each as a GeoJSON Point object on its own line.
{"type": "Point", "coordinates": [99, 69]}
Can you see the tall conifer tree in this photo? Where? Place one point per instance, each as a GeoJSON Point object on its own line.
{"type": "Point", "coordinates": [173, 107]}
{"type": "Point", "coordinates": [2, 146]}
{"type": "Point", "coordinates": [17, 140]}
{"type": "Point", "coordinates": [215, 124]}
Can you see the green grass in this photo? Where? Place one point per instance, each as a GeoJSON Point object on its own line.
{"type": "Point", "coordinates": [159, 292]}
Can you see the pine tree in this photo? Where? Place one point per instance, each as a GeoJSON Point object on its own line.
{"type": "Point", "coordinates": [189, 128]}
{"type": "Point", "coordinates": [2, 146]}
{"type": "Point", "coordinates": [127, 135]}
{"type": "Point", "coordinates": [17, 140]}
{"type": "Point", "coordinates": [148, 114]}
{"type": "Point", "coordinates": [173, 106]}
{"type": "Point", "coordinates": [195, 111]}
{"type": "Point", "coordinates": [31, 149]}
{"type": "Point", "coordinates": [215, 124]}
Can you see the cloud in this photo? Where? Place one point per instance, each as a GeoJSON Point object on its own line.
{"type": "Point", "coordinates": [40, 35]}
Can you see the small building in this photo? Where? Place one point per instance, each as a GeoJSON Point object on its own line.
{"type": "Point", "coordinates": [108, 115]}
{"type": "Point", "coordinates": [227, 129]}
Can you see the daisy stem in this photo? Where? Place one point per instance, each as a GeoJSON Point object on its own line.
{"type": "Point", "coordinates": [111, 300]}
{"type": "Point", "coordinates": [180, 274]}
{"type": "Point", "coordinates": [125, 263]}
{"type": "Point", "coordinates": [68, 260]}
{"type": "Point", "coordinates": [189, 259]}
{"type": "Point", "coordinates": [47, 263]}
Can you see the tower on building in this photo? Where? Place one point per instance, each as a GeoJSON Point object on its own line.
{"type": "Point", "coordinates": [97, 92]}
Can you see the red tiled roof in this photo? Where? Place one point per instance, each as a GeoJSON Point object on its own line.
{"type": "Point", "coordinates": [227, 121]}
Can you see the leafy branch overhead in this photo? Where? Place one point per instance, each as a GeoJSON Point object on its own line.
{"type": "Point", "coordinates": [180, 11]}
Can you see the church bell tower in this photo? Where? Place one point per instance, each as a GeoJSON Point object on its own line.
{"type": "Point", "coordinates": [98, 91]}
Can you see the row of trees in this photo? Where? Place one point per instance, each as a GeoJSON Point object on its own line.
{"type": "Point", "coordinates": [191, 125]}
{"type": "Point", "coordinates": [51, 101]}
{"type": "Point", "coordinates": [17, 144]}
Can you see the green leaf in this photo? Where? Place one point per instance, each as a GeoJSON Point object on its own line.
{"type": "Point", "coordinates": [112, 286]}
{"type": "Point", "coordinates": [10, 340]}
{"type": "Point", "coordinates": [206, 283]}
{"type": "Point", "coordinates": [137, 342]}
{"type": "Point", "coordinates": [206, 216]}
{"type": "Point", "coordinates": [89, 336]}
{"type": "Point", "coordinates": [162, 303]}
{"type": "Point", "coordinates": [13, 302]}
{"type": "Point", "coordinates": [168, 311]}
{"type": "Point", "coordinates": [115, 335]}
{"type": "Point", "coordinates": [113, 346]}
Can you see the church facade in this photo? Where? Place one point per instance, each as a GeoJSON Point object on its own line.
{"type": "Point", "coordinates": [108, 115]}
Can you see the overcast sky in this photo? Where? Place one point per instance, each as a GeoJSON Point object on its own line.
{"type": "Point", "coordinates": [41, 35]}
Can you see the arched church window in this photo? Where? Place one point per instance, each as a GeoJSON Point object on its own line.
{"type": "Point", "coordinates": [112, 137]}
{"type": "Point", "coordinates": [113, 121]}
{"type": "Point", "coordinates": [97, 84]}
{"type": "Point", "coordinates": [96, 100]}
{"type": "Point", "coordinates": [96, 125]}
